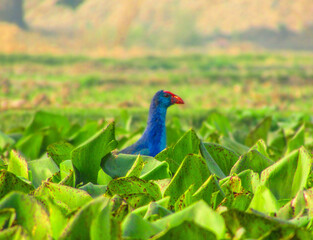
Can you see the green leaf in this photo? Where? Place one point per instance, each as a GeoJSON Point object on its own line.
{"type": "Point", "coordinates": [156, 211]}
{"type": "Point", "coordinates": [185, 199]}
{"type": "Point", "coordinates": [42, 169]}
{"type": "Point", "coordinates": [85, 133]}
{"type": "Point", "coordinates": [292, 171]}
{"type": "Point", "coordinates": [277, 143]}
{"type": "Point", "coordinates": [9, 182]}
{"type": "Point", "coordinates": [233, 145]}
{"type": "Point", "coordinates": [136, 169]}
{"type": "Point", "coordinates": [86, 158]}
{"type": "Point", "coordinates": [5, 141]}
{"type": "Point", "coordinates": [185, 231]}
{"type": "Point", "coordinates": [143, 211]}
{"type": "Point", "coordinates": [193, 165]}
{"type": "Point", "coordinates": [65, 168]}
{"type": "Point", "coordinates": [16, 232]}
{"type": "Point", "coordinates": [260, 146]}
{"type": "Point", "coordinates": [94, 190]}
{"type": "Point", "coordinates": [118, 166]}
{"type": "Point", "coordinates": [30, 145]}
{"type": "Point", "coordinates": [57, 218]}
{"type": "Point", "coordinates": [200, 214]}
{"type": "Point", "coordinates": [224, 157]}
{"type": "Point", "coordinates": [7, 217]}
{"type": "Point", "coordinates": [29, 214]}
{"type": "Point", "coordinates": [220, 123]}
{"type": "Point", "coordinates": [60, 151]}
{"type": "Point", "coordinates": [66, 197]}
{"type": "Point", "coordinates": [244, 225]}
{"type": "Point", "coordinates": [249, 180]}
{"type": "Point", "coordinates": [135, 227]}
{"type": "Point", "coordinates": [132, 185]}
{"type": "Point", "coordinates": [253, 160]}
{"type": "Point", "coordinates": [259, 132]}
{"type": "Point", "coordinates": [187, 144]}
{"type": "Point", "coordinates": [18, 165]}
{"type": "Point", "coordinates": [264, 201]}
{"type": "Point", "coordinates": [87, 221]}
{"type": "Point", "coordinates": [211, 164]}
{"type": "Point", "coordinates": [205, 191]}
{"type": "Point", "coordinates": [44, 120]}
{"type": "Point", "coordinates": [296, 141]}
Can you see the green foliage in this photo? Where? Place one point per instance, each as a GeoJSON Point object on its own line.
{"type": "Point", "coordinates": [221, 189]}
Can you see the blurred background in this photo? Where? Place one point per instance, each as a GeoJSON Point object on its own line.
{"type": "Point", "coordinates": [90, 59]}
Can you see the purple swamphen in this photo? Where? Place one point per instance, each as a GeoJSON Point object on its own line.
{"type": "Point", "coordinates": [153, 139]}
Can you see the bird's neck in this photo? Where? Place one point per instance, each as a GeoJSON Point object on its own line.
{"type": "Point", "coordinates": [155, 132]}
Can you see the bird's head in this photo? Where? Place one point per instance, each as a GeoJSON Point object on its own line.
{"type": "Point", "coordinates": [166, 99]}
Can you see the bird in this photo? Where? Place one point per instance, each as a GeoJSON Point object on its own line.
{"type": "Point", "coordinates": [153, 140]}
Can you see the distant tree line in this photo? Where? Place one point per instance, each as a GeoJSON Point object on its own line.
{"type": "Point", "coordinates": [12, 11]}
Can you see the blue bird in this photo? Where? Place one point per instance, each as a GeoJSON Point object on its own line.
{"type": "Point", "coordinates": [153, 139]}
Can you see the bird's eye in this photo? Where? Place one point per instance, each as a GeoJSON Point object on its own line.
{"type": "Point", "coordinates": [166, 95]}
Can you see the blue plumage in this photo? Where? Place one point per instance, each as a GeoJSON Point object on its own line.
{"type": "Point", "coordinates": [153, 139]}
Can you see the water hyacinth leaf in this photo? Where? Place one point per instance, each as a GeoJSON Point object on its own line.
{"type": "Point", "coordinates": [30, 214]}
{"type": "Point", "coordinates": [264, 201]}
{"type": "Point", "coordinates": [85, 133]}
{"type": "Point", "coordinates": [260, 146]}
{"type": "Point", "coordinates": [234, 145]}
{"type": "Point", "coordinates": [133, 185]}
{"type": "Point", "coordinates": [224, 157]}
{"type": "Point", "coordinates": [254, 226]}
{"type": "Point", "coordinates": [253, 160]}
{"type": "Point", "coordinates": [5, 141]}
{"type": "Point", "coordinates": [86, 158]}
{"type": "Point", "coordinates": [103, 178]}
{"type": "Point", "coordinates": [205, 191]}
{"type": "Point", "coordinates": [30, 145]}
{"type": "Point", "coordinates": [7, 217]}
{"type": "Point", "coordinates": [102, 226]}
{"type": "Point", "coordinates": [60, 151]}
{"type": "Point", "coordinates": [44, 120]}
{"type": "Point", "coordinates": [185, 199]}
{"type": "Point", "coordinates": [57, 218]}
{"type": "Point", "coordinates": [135, 227]}
{"type": "Point", "coordinates": [18, 165]}
{"type": "Point", "coordinates": [185, 231]}
{"type": "Point", "coordinates": [10, 182]}
{"type": "Point", "coordinates": [153, 207]}
{"type": "Point", "coordinates": [66, 167]}
{"type": "Point", "coordinates": [118, 166]}
{"type": "Point", "coordinates": [155, 170]}
{"type": "Point", "coordinates": [200, 214]}
{"type": "Point", "coordinates": [277, 143]}
{"type": "Point", "coordinates": [249, 180]}
{"type": "Point", "coordinates": [292, 171]}
{"type": "Point", "coordinates": [220, 123]}
{"type": "Point", "coordinates": [68, 197]}
{"type": "Point", "coordinates": [296, 207]}
{"type": "Point", "coordinates": [136, 169]}
{"type": "Point", "coordinates": [42, 169]}
{"type": "Point", "coordinates": [80, 226]}
{"type": "Point", "coordinates": [193, 165]}
{"type": "Point", "coordinates": [69, 180]}
{"type": "Point", "coordinates": [156, 211]}
{"type": "Point", "coordinates": [296, 141]}
{"type": "Point", "coordinates": [211, 164]}
{"type": "Point", "coordinates": [259, 132]}
{"type": "Point", "coordinates": [16, 232]}
{"type": "Point", "coordinates": [187, 144]}
{"type": "Point", "coordinates": [94, 190]}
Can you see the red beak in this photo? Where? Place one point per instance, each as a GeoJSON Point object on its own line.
{"type": "Point", "coordinates": [175, 99]}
